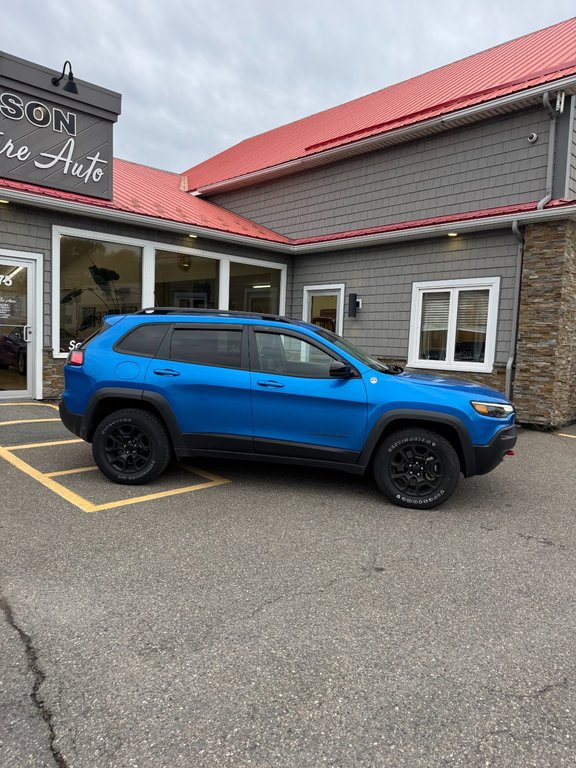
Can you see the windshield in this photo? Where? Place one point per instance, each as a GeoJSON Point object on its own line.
{"type": "Point", "coordinates": [355, 351]}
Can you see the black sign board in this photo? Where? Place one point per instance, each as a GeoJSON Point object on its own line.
{"type": "Point", "coordinates": [52, 137]}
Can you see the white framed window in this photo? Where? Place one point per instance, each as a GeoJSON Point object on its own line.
{"type": "Point", "coordinates": [323, 305]}
{"type": "Point", "coordinates": [94, 274]}
{"type": "Point", "coordinates": [453, 324]}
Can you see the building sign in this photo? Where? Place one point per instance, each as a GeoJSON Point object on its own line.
{"type": "Point", "coordinates": [51, 137]}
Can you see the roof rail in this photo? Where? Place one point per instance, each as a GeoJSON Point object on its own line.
{"type": "Point", "coordinates": [214, 312]}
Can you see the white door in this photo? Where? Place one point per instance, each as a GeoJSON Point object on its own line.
{"type": "Point", "coordinates": [19, 334]}
{"type": "Point", "coordinates": [324, 306]}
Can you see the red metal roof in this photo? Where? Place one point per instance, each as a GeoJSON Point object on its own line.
{"type": "Point", "coordinates": [453, 218]}
{"type": "Point", "coordinates": [528, 61]}
{"type": "Point", "coordinates": [157, 194]}
{"type": "Point", "coordinates": [146, 191]}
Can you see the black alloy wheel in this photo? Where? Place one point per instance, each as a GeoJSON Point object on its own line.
{"type": "Point", "coordinates": [131, 447]}
{"type": "Point", "coordinates": [416, 468]}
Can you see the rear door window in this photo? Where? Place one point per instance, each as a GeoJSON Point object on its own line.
{"type": "Point", "coordinates": [207, 346]}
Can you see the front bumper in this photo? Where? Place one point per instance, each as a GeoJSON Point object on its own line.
{"type": "Point", "coordinates": [487, 457]}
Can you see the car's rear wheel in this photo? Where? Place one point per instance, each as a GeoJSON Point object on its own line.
{"type": "Point", "coordinates": [131, 447]}
{"type": "Point", "coordinates": [21, 364]}
{"type": "Point", "coordinates": [416, 468]}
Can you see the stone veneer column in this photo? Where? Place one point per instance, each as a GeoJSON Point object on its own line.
{"type": "Point", "coordinates": [53, 375]}
{"type": "Point", "coordinates": [545, 379]}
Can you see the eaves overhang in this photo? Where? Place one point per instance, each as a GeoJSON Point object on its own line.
{"type": "Point", "coordinates": [531, 97]}
{"type": "Point", "coordinates": [422, 232]}
{"type": "Point", "coordinates": [469, 223]}
{"type": "Point", "coordinates": [150, 222]}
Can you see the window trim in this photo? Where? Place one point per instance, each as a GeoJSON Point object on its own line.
{"type": "Point", "coordinates": [339, 289]}
{"type": "Point", "coordinates": [453, 287]}
{"type": "Point", "coordinates": [148, 263]}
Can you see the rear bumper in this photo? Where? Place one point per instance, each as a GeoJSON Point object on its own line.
{"type": "Point", "coordinates": [487, 457]}
{"type": "Point", "coordinates": [72, 421]}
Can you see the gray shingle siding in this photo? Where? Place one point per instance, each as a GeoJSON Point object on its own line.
{"type": "Point", "coordinates": [485, 165]}
{"type": "Point", "coordinates": [383, 276]}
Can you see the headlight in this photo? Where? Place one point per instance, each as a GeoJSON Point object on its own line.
{"type": "Point", "coordinates": [497, 410]}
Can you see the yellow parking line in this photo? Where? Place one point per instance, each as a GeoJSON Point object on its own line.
{"type": "Point", "coordinates": [60, 490]}
{"type": "Point", "coordinates": [26, 421]}
{"type": "Point", "coordinates": [42, 445]}
{"type": "Point", "coordinates": [45, 479]}
{"type": "Point", "coordinates": [23, 403]}
{"type": "Point", "coordinates": [62, 472]}
{"type": "Point", "coordinates": [160, 495]}
{"type": "Point", "coordinates": [562, 434]}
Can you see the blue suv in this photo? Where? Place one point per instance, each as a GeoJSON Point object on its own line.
{"type": "Point", "coordinates": [165, 382]}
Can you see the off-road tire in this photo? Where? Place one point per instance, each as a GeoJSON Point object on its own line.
{"type": "Point", "coordinates": [416, 468]}
{"type": "Point", "coordinates": [131, 447]}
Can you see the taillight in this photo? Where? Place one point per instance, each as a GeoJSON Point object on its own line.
{"type": "Point", "coordinates": [76, 357]}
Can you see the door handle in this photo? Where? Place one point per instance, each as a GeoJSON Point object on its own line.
{"type": "Point", "coordinates": [166, 372]}
{"type": "Point", "coordinates": [27, 333]}
{"type": "Point", "coordinates": [270, 384]}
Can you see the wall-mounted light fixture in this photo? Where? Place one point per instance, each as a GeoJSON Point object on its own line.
{"type": "Point", "coordinates": [70, 85]}
{"type": "Point", "coordinates": [263, 285]}
{"type": "Point", "coordinates": [452, 234]}
{"type": "Point", "coordinates": [354, 303]}
{"type": "Point", "coordinates": [4, 202]}
{"type": "Point", "coordinates": [192, 235]}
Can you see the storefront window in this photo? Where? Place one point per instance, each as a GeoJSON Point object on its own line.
{"type": "Point", "coordinates": [96, 278]}
{"type": "Point", "coordinates": [254, 288]}
{"type": "Point", "coordinates": [182, 280]}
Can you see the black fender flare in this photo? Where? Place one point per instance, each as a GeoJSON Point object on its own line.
{"type": "Point", "coordinates": [416, 416]}
{"type": "Point", "coordinates": [158, 403]}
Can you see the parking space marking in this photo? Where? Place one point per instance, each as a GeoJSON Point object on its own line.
{"type": "Point", "coordinates": [62, 472]}
{"type": "Point", "coordinates": [60, 490]}
{"type": "Point", "coordinates": [26, 404]}
{"type": "Point", "coordinates": [26, 421]}
{"type": "Point", "coordinates": [46, 444]}
{"type": "Point", "coordinates": [563, 434]}
{"type": "Point", "coordinates": [46, 479]}
{"type": "Point", "coordinates": [213, 482]}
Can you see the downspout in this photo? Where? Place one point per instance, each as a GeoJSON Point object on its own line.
{"type": "Point", "coordinates": [551, 151]}
{"type": "Point", "coordinates": [516, 308]}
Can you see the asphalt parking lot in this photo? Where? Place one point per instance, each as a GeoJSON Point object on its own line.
{"type": "Point", "coordinates": [245, 615]}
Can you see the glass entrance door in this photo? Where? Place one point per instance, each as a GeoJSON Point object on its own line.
{"type": "Point", "coordinates": [16, 327]}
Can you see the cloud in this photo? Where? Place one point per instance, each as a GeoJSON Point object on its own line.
{"type": "Point", "coordinates": [197, 77]}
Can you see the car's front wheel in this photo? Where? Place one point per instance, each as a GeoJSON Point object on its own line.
{"type": "Point", "coordinates": [416, 468]}
{"type": "Point", "coordinates": [131, 447]}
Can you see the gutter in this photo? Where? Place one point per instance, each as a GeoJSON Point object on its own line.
{"type": "Point", "coordinates": [551, 150]}
{"type": "Point", "coordinates": [111, 214]}
{"type": "Point", "coordinates": [437, 230]}
{"type": "Point", "coordinates": [360, 146]}
{"type": "Point", "coordinates": [515, 310]}
{"type": "Point", "coordinates": [290, 247]}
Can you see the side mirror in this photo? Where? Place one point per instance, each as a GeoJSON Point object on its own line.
{"type": "Point", "coordinates": [340, 370]}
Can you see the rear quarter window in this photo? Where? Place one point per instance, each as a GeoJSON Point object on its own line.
{"type": "Point", "coordinates": [143, 340]}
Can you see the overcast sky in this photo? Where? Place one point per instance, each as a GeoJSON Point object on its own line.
{"type": "Point", "coordinates": [197, 76]}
